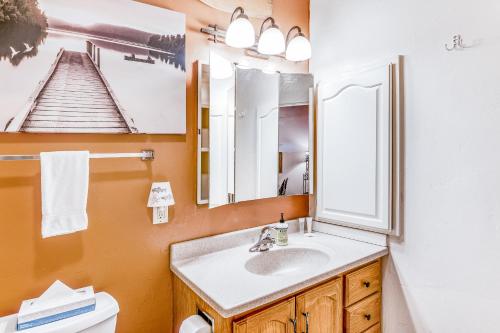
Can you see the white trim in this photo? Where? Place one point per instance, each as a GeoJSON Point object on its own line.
{"type": "Point", "coordinates": [311, 141]}
{"type": "Point", "coordinates": [200, 150]}
{"type": "Point", "coordinates": [351, 233]}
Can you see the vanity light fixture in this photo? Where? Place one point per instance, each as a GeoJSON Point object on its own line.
{"type": "Point", "coordinates": [271, 39]}
{"type": "Point", "coordinates": [298, 47]}
{"type": "Point", "coordinates": [240, 33]}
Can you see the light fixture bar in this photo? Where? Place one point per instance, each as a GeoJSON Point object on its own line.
{"type": "Point", "coordinates": [216, 32]}
{"type": "Point", "coordinates": [218, 35]}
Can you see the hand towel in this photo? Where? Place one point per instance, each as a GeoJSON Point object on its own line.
{"type": "Point", "coordinates": [65, 181]}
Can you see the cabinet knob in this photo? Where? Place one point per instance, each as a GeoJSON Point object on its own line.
{"type": "Point", "coordinates": [366, 284]}
{"type": "Point", "coordinates": [368, 316]}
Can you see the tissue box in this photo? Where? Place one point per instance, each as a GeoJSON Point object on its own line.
{"type": "Point", "coordinates": [57, 303]}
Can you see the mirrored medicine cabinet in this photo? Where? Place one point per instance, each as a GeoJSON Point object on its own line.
{"type": "Point", "coordinates": [255, 133]}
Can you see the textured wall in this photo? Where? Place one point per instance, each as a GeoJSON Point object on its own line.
{"type": "Point", "coordinates": [122, 252]}
{"type": "Point", "coordinates": [441, 275]}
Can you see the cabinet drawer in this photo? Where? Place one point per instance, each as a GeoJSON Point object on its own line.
{"type": "Point", "coordinates": [362, 283]}
{"type": "Point", "coordinates": [362, 315]}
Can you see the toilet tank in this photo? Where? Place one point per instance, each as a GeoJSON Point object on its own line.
{"type": "Point", "coordinates": [101, 320]}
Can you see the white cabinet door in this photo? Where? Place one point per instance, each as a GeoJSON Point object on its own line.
{"type": "Point", "coordinates": [256, 140]}
{"type": "Point", "coordinates": [221, 130]}
{"type": "Point", "coordinates": [354, 184]}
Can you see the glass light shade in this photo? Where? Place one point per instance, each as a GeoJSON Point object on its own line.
{"type": "Point", "coordinates": [240, 33]}
{"type": "Point", "coordinates": [299, 49]}
{"type": "Point", "coordinates": [271, 41]}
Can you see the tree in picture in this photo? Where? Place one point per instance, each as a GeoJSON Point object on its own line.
{"type": "Point", "coordinates": [22, 29]}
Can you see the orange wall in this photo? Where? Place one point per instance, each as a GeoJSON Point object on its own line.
{"type": "Point", "coordinates": [122, 252]}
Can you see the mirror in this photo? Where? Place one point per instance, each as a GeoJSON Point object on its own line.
{"type": "Point", "coordinates": [260, 133]}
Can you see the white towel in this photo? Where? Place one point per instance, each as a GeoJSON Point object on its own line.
{"type": "Point", "coordinates": [65, 181]}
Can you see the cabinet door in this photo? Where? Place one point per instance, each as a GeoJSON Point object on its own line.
{"type": "Point", "coordinates": [320, 309]}
{"type": "Point", "coordinates": [357, 155]}
{"type": "Point", "coordinates": [221, 130]}
{"type": "Point", "coordinates": [277, 319]}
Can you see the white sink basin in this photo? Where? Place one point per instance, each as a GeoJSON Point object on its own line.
{"type": "Point", "coordinates": [288, 261]}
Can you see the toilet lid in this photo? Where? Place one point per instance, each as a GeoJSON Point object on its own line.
{"type": "Point", "coordinates": [106, 307]}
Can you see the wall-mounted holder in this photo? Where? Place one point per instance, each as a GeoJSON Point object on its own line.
{"type": "Point", "coordinates": [457, 44]}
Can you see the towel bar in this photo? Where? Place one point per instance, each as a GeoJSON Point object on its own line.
{"type": "Point", "coordinates": [145, 155]}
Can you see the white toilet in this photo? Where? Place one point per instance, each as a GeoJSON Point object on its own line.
{"type": "Point", "coordinates": [101, 320]}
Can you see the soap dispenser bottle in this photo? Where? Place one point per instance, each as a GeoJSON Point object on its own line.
{"type": "Point", "coordinates": [282, 232]}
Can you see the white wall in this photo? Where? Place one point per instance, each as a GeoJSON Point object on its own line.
{"type": "Point", "coordinates": [444, 275]}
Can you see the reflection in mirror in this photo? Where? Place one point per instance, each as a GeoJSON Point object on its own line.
{"type": "Point", "coordinates": [221, 134]}
{"type": "Point", "coordinates": [295, 121]}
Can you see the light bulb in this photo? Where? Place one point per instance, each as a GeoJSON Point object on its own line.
{"type": "Point", "coordinates": [240, 33]}
{"type": "Point", "coordinates": [271, 41]}
{"type": "Point", "coordinates": [298, 49]}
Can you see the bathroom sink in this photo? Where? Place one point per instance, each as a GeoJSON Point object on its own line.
{"type": "Point", "coordinates": [288, 261]}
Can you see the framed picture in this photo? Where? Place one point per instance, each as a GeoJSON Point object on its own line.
{"type": "Point", "coordinates": [91, 66]}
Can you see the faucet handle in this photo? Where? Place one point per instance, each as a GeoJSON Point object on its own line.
{"type": "Point", "coordinates": [265, 232]}
{"type": "Point", "coordinates": [265, 241]}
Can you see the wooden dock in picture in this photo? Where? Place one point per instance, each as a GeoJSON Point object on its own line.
{"type": "Point", "coordinates": [74, 98]}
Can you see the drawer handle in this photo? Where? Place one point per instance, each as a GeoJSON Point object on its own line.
{"type": "Point", "coordinates": [368, 316]}
{"type": "Point", "coordinates": [366, 284]}
{"type": "Point", "coordinates": [306, 314]}
{"type": "Point", "coordinates": [294, 323]}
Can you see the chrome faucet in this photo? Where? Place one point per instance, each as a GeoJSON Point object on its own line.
{"type": "Point", "coordinates": [265, 241]}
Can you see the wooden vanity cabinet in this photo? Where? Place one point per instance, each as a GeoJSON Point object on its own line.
{"type": "Point", "coordinates": [349, 303]}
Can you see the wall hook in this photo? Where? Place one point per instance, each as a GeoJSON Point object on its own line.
{"type": "Point", "coordinates": [458, 44]}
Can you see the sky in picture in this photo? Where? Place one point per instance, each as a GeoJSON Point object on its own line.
{"type": "Point", "coordinates": [115, 12]}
